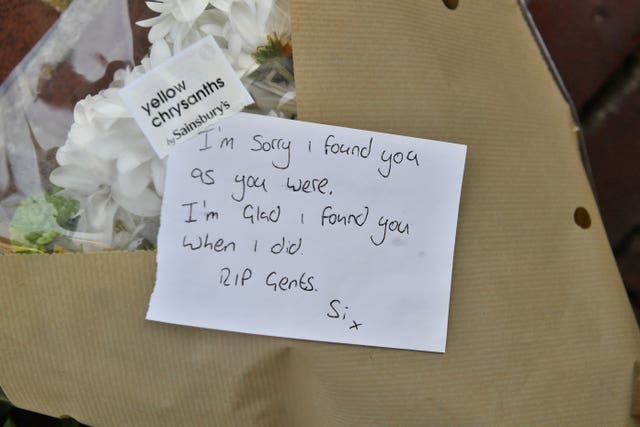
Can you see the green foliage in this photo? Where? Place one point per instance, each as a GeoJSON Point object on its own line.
{"type": "Point", "coordinates": [39, 220]}
{"type": "Point", "coordinates": [275, 56]}
{"type": "Point", "coordinates": [275, 48]}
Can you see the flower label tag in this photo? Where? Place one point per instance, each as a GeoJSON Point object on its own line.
{"type": "Point", "coordinates": [301, 230]}
{"type": "Point", "coordinates": [184, 95]}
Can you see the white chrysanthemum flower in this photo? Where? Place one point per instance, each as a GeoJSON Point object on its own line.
{"type": "Point", "coordinates": [255, 20]}
{"type": "Point", "coordinates": [250, 23]}
{"type": "Point", "coordinates": [180, 22]}
{"type": "Point", "coordinates": [239, 26]}
{"type": "Point", "coordinates": [108, 165]}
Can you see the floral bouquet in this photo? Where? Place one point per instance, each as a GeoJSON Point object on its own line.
{"type": "Point", "coordinates": [103, 187]}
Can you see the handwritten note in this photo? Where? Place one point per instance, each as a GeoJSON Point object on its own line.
{"type": "Point", "coordinates": [300, 230]}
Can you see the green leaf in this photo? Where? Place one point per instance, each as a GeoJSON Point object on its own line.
{"type": "Point", "coordinates": [274, 48]}
{"type": "Point", "coordinates": [9, 423]}
{"type": "Point", "coordinates": [39, 220]}
{"type": "Point", "coordinates": [66, 209]}
{"type": "Point", "coordinates": [275, 55]}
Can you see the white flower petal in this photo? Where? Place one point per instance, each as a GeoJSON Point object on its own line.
{"type": "Point", "coordinates": [111, 107]}
{"type": "Point", "coordinates": [127, 162]}
{"type": "Point", "coordinates": [100, 210]}
{"type": "Point", "coordinates": [193, 35]}
{"type": "Point", "coordinates": [263, 12]}
{"type": "Point", "coordinates": [235, 44]}
{"type": "Point", "coordinates": [81, 136]}
{"type": "Point", "coordinates": [177, 35]}
{"type": "Point", "coordinates": [108, 148]}
{"type": "Point", "coordinates": [68, 155]}
{"type": "Point", "coordinates": [159, 52]}
{"type": "Point", "coordinates": [222, 5]}
{"type": "Point", "coordinates": [146, 204]}
{"type": "Point", "coordinates": [158, 169]}
{"type": "Point", "coordinates": [160, 6]}
{"type": "Point", "coordinates": [212, 29]}
{"type": "Point", "coordinates": [249, 19]}
{"type": "Point", "coordinates": [160, 30]}
{"type": "Point", "coordinates": [132, 183]}
{"type": "Point", "coordinates": [188, 10]}
{"type": "Point", "coordinates": [214, 18]}
{"type": "Point", "coordinates": [151, 21]}
{"type": "Point", "coordinates": [244, 64]}
{"type": "Point", "coordinates": [279, 19]}
{"type": "Point", "coordinates": [75, 178]}
{"type": "Point", "coordinates": [145, 64]}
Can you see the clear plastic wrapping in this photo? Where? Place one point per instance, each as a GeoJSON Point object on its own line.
{"type": "Point", "coordinates": [76, 173]}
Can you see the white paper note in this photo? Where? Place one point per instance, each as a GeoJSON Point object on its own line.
{"type": "Point", "coordinates": [300, 230]}
{"type": "Point", "coordinates": [184, 95]}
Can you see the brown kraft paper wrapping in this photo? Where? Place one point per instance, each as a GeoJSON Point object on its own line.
{"type": "Point", "coordinates": [540, 329]}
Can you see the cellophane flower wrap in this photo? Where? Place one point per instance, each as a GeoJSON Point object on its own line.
{"type": "Point", "coordinates": [76, 172]}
